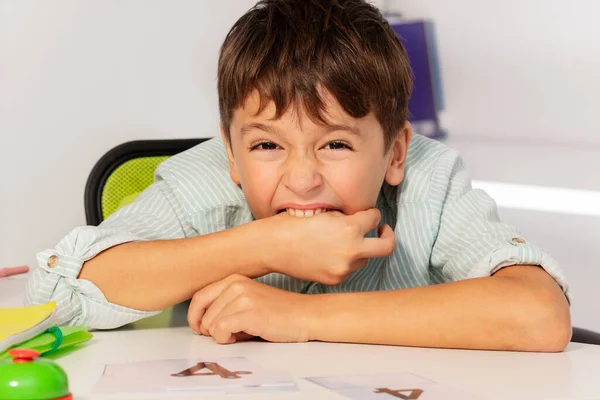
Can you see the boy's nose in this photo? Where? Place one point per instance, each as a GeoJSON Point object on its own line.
{"type": "Point", "coordinates": [302, 176]}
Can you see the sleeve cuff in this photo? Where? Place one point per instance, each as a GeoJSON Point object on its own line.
{"type": "Point", "coordinates": [61, 264]}
{"type": "Point", "coordinates": [518, 251]}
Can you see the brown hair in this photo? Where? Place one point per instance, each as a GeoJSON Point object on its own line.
{"type": "Point", "coordinates": [287, 49]}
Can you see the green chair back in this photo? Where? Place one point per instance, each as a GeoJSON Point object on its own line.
{"type": "Point", "coordinates": [124, 172]}
{"type": "Point", "coordinates": [127, 181]}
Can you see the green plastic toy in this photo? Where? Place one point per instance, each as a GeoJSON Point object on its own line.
{"type": "Point", "coordinates": [27, 376]}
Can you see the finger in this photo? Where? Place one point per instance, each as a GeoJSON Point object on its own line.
{"type": "Point", "coordinates": [203, 330]}
{"type": "Point", "coordinates": [227, 327]}
{"type": "Point", "coordinates": [384, 231]}
{"type": "Point", "coordinates": [9, 271]}
{"type": "Point", "coordinates": [204, 298]}
{"type": "Point", "coordinates": [229, 295]}
{"type": "Point", "coordinates": [367, 220]}
{"type": "Point", "coordinates": [239, 304]}
{"type": "Point", "coordinates": [381, 246]}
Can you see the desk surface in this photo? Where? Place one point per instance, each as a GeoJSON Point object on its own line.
{"type": "Point", "coordinates": [572, 374]}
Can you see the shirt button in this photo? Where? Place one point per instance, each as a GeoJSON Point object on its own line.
{"type": "Point", "coordinates": [519, 240]}
{"type": "Point", "coordinates": [52, 261]}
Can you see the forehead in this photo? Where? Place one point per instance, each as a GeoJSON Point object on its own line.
{"type": "Point", "coordinates": [333, 114]}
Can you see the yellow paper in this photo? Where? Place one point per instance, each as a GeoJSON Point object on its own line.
{"type": "Point", "coordinates": [20, 319]}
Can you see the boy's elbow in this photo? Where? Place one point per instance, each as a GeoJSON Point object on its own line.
{"type": "Point", "coordinates": [540, 319]}
{"type": "Point", "coordinates": [554, 339]}
{"type": "Point", "coordinates": [549, 327]}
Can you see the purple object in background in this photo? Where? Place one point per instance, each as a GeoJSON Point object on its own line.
{"type": "Point", "coordinates": [426, 99]}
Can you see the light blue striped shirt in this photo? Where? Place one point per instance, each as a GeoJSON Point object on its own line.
{"type": "Point", "coordinates": [445, 231]}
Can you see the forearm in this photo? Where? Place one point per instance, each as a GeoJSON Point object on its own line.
{"type": "Point", "coordinates": [152, 275]}
{"type": "Point", "coordinates": [497, 313]}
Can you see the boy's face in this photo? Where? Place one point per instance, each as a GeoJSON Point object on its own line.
{"type": "Point", "coordinates": [293, 163]}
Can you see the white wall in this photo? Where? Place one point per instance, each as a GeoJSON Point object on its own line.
{"type": "Point", "coordinates": [78, 77]}
{"type": "Point", "coordinates": [524, 70]}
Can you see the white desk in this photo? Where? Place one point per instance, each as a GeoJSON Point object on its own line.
{"type": "Point", "coordinates": [572, 374]}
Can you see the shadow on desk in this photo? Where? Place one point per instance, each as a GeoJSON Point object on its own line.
{"type": "Point", "coordinates": [172, 317]}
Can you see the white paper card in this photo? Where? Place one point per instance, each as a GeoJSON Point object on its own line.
{"type": "Point", "coordinates": [191, 376]}
{"type": "Point", "coordinates": [391, 386]}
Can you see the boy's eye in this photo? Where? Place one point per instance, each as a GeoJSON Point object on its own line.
{"type": "Point", "coordinates": [265, 146]}
{"type": "Point", "coordinates": [337, 146]}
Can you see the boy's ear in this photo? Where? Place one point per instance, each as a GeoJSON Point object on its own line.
{"type": "Point", "coordinates": [397, 155]}
{"type": "Point", "coordinates": [233, 173]}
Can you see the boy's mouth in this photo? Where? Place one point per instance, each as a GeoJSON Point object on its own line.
{"type": "Point", "coordinates": [305, 213]}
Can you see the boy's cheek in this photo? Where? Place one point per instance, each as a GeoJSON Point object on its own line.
{"type": "Point", "coordinates": [258, 187]}
{"type": "Point", "coordinates": [259, 201]}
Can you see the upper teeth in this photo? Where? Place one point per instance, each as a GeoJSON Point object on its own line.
{"type": "Point", "coordinates": [305, 213]}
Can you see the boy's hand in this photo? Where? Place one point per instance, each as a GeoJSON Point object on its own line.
{"type": "Point", "coordinates": [328, 247]}
{"type": "Point", "coordinates": [237, 308]}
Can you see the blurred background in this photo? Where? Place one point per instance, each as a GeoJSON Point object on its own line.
{"type": "Point", "coordinates": [520, 82]}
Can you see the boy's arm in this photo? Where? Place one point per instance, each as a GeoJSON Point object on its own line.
{"type": "Point", "coordinates": [142, 259]}
{"type": "Point", "coordinates": [502, 292]}
{"type": "Point", "coordinates": [153, 216]}
{"type": "Point", "coordinates": [496, 297]}
{"type": "Point", "coordinates": [148, 257]}
{"type": "Point", "coordinates": [519, 308]}
{"type": "Point", "coordinates": [160, 273]}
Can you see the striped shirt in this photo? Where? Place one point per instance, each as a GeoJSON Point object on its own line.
{"type": "Point", "coordinates": [445, 231]}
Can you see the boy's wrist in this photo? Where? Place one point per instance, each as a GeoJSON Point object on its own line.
{"type": "Point", "coordinates": [268, 245]}
{"type": "Point", "coordinates": [315, 315]}
{"type": "Point", "coordinates": [260, 248]}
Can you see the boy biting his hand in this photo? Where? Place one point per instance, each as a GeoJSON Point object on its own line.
{"type": "Point", "coordinates": [317, 215]}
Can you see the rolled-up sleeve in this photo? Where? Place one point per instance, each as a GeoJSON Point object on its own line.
{"type": "Point", "coordinates": [471, 241]}
{"type": "Point", "coordinates": [155, 215]}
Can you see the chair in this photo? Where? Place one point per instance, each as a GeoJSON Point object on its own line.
{"type": "Point", "coordinates": [581, 335]}
{"type": "Point", "coordinates": [124, 172]}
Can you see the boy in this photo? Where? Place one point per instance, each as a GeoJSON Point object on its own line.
{"type": "Point", "coordinates": [318, 215]}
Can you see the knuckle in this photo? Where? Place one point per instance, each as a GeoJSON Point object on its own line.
{"type": "Point", "coordinates": [335, 276]}
{"type": "Point", "coordinates": [345, 224]}
{"type": "Point", "coordinates": [237, 287]}
{"type": "Point", "coordinates": [342, 270]}
{"type": "Point", "coordinates": [376, 214]}
{"type": "Point", "coordinates": [389, 248]}
{"type": "Point", "coordinates": [196, 296]}
{"type": "Point", "coordinates": [221, 325]}
{"type": "Point", "coordinates": [245, 301]}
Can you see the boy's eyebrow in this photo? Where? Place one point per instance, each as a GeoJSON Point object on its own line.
{"type": "Point", "coordinates": [257, 125]}
{"type": "Point", "coordinates": [274, 130]}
